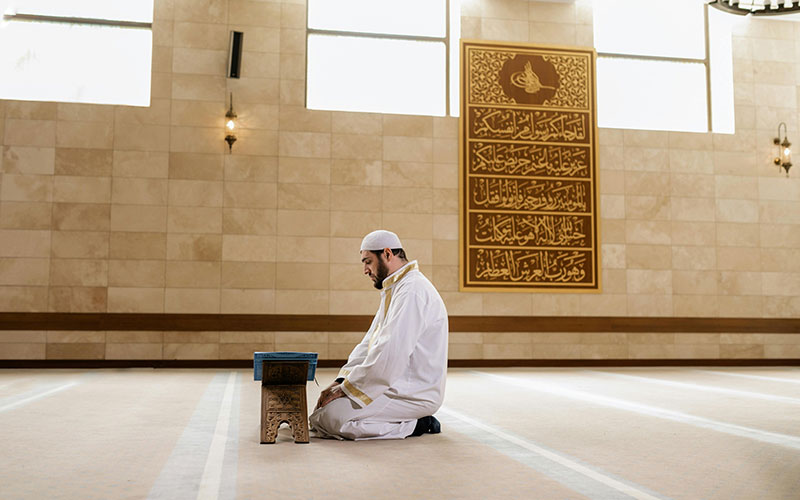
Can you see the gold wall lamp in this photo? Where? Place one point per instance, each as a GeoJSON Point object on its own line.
{"type": "Point", "coordinates": [784, 157]}
{"type": "Point", "coordinates": [230, 126]}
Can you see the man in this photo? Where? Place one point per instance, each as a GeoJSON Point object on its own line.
{"type": "Point", "coordinates": [394, 379]}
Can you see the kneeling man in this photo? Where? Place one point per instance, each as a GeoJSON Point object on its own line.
{"type": "Point", "coordinates": [394, 379]}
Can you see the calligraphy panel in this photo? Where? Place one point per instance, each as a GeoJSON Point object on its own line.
{"type": "Point", "coordinates": [528, 180]}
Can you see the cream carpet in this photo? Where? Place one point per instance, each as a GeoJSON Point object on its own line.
{"type": "Point", "coordinates": [561, 433]}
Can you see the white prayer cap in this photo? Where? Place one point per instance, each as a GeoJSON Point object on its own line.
{"type": "Point", "coordinates": [380, 239]}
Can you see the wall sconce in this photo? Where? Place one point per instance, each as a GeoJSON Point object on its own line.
{"type": "Point", "coordinates": [230, 126]}
{"type": "Point", "coordinates": [784, 157]}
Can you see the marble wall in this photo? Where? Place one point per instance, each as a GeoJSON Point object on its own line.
{"type": "Point", "coordinates": [142, 210]}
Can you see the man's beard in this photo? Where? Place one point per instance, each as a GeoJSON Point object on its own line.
{"type": "Point", "coordinates": [381, 274]}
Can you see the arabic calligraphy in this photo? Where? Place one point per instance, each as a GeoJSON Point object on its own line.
{"type": "Point", "coordinates": [528, 184]}
{"type": "Point", "coordinates": [529, 194]}
{"type": "Point", "coordinates": [528, 125]}
{"type": "Point", "coordinates": [487, 86]}
{"type": "Point", "coordinates": [539, 266]}
{"type": "Point", "coordinates": [523, 230]}
{"type": "Point", "coordinates": [528, 159]}
{"type": "Point", "coordinates": [528, 80]}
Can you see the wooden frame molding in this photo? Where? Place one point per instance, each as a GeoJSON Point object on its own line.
{"type": "Point", "coordinates": [337, 363]}
{"type": "Point", "coordinates": [356, 323]}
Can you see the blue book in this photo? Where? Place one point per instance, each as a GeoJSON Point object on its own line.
{"type": "Point", "coordinates": [258, 357]}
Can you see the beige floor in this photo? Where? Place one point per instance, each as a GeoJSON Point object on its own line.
{"type": "Point", "coordinates": [507, 433]}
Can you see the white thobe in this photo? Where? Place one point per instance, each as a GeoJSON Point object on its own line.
{"type": "Point", "coordinates": [397, 373]}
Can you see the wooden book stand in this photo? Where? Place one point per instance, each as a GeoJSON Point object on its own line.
{"type": "Point", "coordinates": [283, 399]}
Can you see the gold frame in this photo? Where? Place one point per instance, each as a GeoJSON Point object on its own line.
{"type": "Point", "coordinates": [463, 284]}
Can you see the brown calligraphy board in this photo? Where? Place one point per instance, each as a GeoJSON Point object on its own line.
{"type": "Point", "coordinates": [528, 174]}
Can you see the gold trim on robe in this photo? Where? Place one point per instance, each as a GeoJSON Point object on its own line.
{"type": "Point", "coordinates": [353, 391]}
{"type": "Point", "coordinates": [387, 299]}
{"type": "Point", "coordinates": [388, 282]}
{"type": "Point", "coordinates": [391, 280]}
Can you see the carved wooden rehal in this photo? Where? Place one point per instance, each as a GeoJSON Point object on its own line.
{"type": "Point", "coordinates": [528, 182]}
{"type": "Point", "coordinates": [283, 399]}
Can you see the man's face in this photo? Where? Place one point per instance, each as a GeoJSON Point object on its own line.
{"type": "Point", "coordinates": [375, 268]}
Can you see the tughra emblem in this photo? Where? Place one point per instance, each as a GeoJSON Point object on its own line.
{"type": "Point", "coordinates": [528, 80]}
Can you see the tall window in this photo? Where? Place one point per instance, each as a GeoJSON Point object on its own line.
{"type": "Point", "coordinates": [385, 56]}
{"type": "Point", "coordinates": [89, 51]}
{"type": "Point", "coordinates": [663, 66]}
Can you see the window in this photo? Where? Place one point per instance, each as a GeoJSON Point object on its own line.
{"type": "Point", "coordinates": [663, 66]}
{"type": "Point", "coordinates": [384, 56]}
{"type": "Point", "coordinates": [88, 51]}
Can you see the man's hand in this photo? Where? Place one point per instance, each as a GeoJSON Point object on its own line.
{"type": "Point", "coordinates": [333, 391]}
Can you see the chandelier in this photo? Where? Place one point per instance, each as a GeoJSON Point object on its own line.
{"type": "Point", "coordinates": [757, 7]}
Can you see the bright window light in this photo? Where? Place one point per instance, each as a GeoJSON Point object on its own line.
{"type": "Point", "coordinates": [651, 95]}
{"type": "Point", "coordinates": [73, 61]}
{"type": "Point", "coordinates": [376, 75]}
{"type": "Point", "coordinates": [720, 25]}
{"type": "Point", "coordinates": [670, 29]}
{"type": "Point", "coordinates": [407, 17]}
{"type": "Point", "coordinates": [122, 10]}
{"type": "Point", "coordinates": [455, 67]}
{"type": "Point", "coordinates": [653, 66]}
{"type": "Point", "coordinates": [383, 56]}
